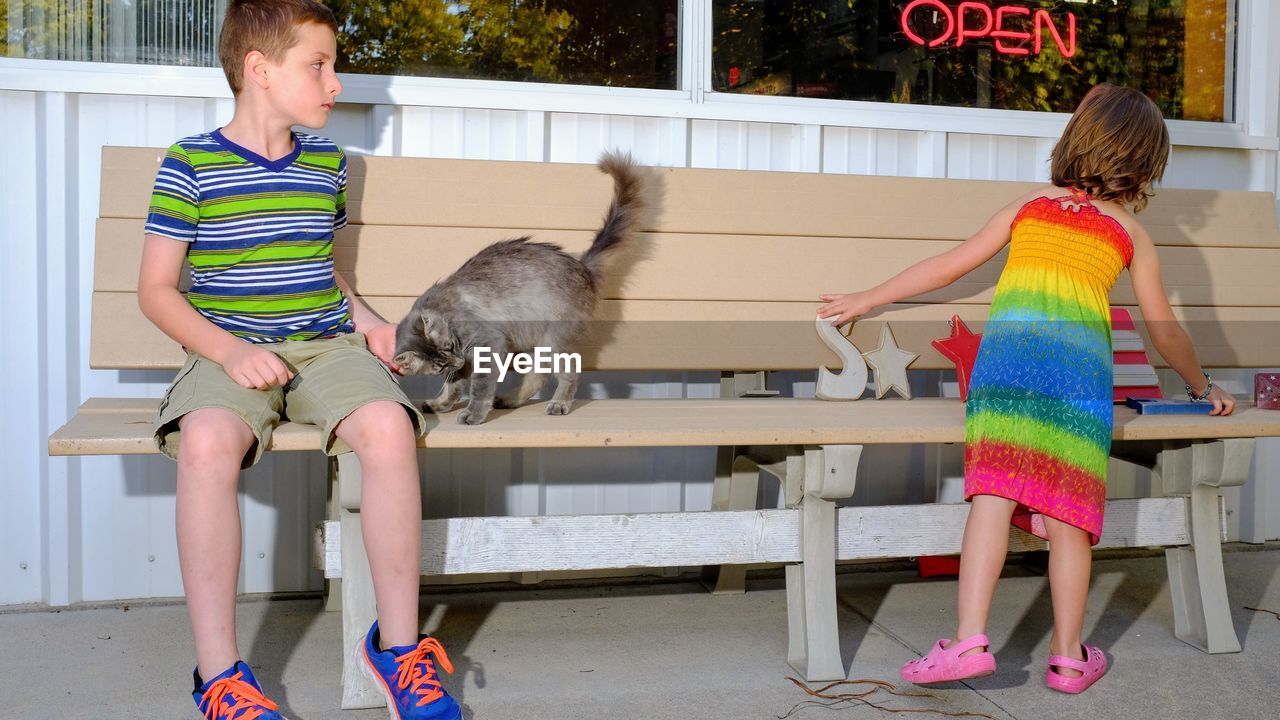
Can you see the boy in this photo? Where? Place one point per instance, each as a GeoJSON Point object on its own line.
{"type": "Point", "coordinates": [269, 326]}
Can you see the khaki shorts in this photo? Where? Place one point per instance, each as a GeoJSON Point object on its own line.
{"type": "Point", "coordinates": [333, 378]}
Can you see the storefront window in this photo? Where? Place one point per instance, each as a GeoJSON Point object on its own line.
{"type": "Point", "coordinates": [1008, 54]}
{"type": "Point", "coordinates": [584, 42]}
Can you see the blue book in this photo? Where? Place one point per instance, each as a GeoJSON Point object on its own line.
{"type": "Point", "coordinates": [1160, 406]}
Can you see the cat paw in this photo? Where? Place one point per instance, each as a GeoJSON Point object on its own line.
{"type": "Point", "coordinates": [558, 408]}
{"type": "Point", "coordinates": [467, 417]}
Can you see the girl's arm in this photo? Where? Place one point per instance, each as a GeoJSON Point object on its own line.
{"type": "Point", "coordinates": [378, 333]}
{"type": "Point", "coordinates": [158, 297]}
{"type": "Point", "coordinates": [1167, 334]}
{"type": "Point", "coordinates": [929, 274]}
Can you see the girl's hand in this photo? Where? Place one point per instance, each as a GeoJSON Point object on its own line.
{"type": "Point", "coordinates": [382, 343]}
{"type": "Point", "coordinates": [845, 307]}
{"type": "Point", "coordinates": [1223, 402]}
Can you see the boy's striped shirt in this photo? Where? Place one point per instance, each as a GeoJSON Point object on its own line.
{"type": "Point", "coordinates": [261, 234]}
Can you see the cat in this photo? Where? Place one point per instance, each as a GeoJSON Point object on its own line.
{"type": "Point", "coordinates": [512, 297]}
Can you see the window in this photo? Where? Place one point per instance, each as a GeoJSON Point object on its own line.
{"type": "Point", "coordinates": [1008, 54]}
{"type": "Point", "coordinates": [585, 42]}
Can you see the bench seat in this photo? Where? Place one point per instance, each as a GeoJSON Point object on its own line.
{"type": "Point", "coordinates": [121, 426]}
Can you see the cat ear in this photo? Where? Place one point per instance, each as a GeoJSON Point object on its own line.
{"type": "Point", "coordinates": [433, 327]}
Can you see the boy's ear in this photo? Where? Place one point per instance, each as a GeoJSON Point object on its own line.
{"type": "Point", "coordinates": [255, 69]}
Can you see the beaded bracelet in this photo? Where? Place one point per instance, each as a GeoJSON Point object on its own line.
{"type": "Point", "coordinates": [1203, 396]}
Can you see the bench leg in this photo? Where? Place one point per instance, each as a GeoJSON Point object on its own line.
{"type": "Point", "coordinates": [1201, 613]}
{"type": "Point", "coordinates": [333, 587]}
{"type": "Point", "coordinates": [813, 637]}
{"type": "Point", "coordinates": [736, 487]}
{"type": "Point", "coordinates": [358, 606]}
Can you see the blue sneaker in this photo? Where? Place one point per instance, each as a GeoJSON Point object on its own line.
{"type": "Point", "coordinates": [406, 675]}
{"type": "Point", "coordinates": [234, 695]}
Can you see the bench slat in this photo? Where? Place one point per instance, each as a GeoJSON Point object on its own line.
{"type": "Point", "coordinates": [109, 427]}
{"type": "Point", "coordinates": [389, 260]}
{"type": "Point", "coordinates": [405, 191]}
{"type": "Point", "coordinates": [459, 546]}
{"type": "Point", "coordinates": [713, 335]}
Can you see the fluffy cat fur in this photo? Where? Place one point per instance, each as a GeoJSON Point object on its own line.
{"type": "Point", "coordinates": [512, 297]}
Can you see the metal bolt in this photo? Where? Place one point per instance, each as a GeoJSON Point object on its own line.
{"type": "Point", "coordinates": [151, 558]}
{"type": "Point", "coordinates": [22, 566]}
{"type": "Point", "coordinates": [261, 555]}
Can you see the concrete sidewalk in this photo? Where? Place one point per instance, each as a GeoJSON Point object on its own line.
{"type": "Point", "coordinates": [670, 650]}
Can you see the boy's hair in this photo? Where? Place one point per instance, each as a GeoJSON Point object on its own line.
{"type": "Point", "coordinates": [1115, 146]}
{"type": "Point", "coordinates": [266, 26]}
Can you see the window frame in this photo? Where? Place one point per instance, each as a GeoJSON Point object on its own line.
{"type": "Point", "coordinates": [1256, 96]}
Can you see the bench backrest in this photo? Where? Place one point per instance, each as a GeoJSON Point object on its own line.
{"type": "Point", "coordinates": [727, 275]}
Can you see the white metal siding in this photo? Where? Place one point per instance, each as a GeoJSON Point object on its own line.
{"type": "Point", "coordinates": [102, 527]}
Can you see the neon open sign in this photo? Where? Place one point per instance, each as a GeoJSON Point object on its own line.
{"type": "Point", "coordinates": [1006, 25]}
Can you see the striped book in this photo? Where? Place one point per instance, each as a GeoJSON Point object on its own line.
{"type": "Point", "coordinates": [1132, 373]}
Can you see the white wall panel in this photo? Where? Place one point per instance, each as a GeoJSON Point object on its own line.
{"type": "Point", "coordinates": [872, 151]}
{"type": "Point", "coordinates": [1225, 169]}
{"type": "Point", "coordinates": [102, 528]}
{"type": "Point", "coordinates": [755, 146]}
{"type": "Point", "coordinates": [21, 564]}
{"type": "Point", "coordinates": [577, 138]}
{"type": "Point", "coordinates": [988, 157]}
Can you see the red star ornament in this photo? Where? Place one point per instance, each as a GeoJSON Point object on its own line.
{"type": "Point", "coordinates": [962, 349]}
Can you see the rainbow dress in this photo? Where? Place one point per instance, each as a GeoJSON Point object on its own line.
{"type": "Point", "coordinates": [1039, 414]}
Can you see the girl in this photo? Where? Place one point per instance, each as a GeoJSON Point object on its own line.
{"type": "Point", "coordinates": [1039, 413]}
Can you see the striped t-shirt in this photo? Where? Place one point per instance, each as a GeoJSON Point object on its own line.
{"type": "Point", "coordinates": [261, 234]}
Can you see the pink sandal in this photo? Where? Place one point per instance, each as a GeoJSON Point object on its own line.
{"type": "Point", "coordinates": [1091, 668]}
{"type": "Point", "coordinates": [944, 664]}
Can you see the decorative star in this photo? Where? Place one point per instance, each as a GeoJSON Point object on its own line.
{"type": "Point", "coordinates": [890, 363]}
{"type": "Point", "coordinates": [962, 349]}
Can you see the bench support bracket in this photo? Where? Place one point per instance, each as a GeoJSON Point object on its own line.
{"type": "Point", "coordinates": [358, 607]}
{"type": "Point", "coordinates": [814, 482]}
{"type": "Point", "coordinates": [1201, 613]}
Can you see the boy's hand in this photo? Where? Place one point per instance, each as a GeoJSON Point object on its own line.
{"type": "Point", "coordinates": [255, 367]}
{"type": "Point", "coordinates": [1223, 402]}
{"type": "Point", "coordinates": [846, 307]}
{"type": "Point", "coordinates": [382, 343]}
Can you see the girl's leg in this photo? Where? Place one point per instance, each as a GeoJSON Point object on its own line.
{"type": "Point", "coordinates": [381, 434]}
{"type": "Point", "coordinates": [1070, 558]}
{"type": "Point", "coordinates": [982, 556]}
{"type": "Point", "coordinates": [213, 444]}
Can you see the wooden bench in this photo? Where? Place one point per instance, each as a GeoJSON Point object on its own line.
{"type": "Point", "coordinates": [725, 280]}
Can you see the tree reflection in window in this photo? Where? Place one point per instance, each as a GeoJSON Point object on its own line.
{"type": "Point", "coordinates": [585, 42]}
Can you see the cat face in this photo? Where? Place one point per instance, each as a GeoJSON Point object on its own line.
{"type": "Point", "coordinates": [424, 346]}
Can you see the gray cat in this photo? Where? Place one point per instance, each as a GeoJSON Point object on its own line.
{"type": "Point", "coordinates": [512, 297]}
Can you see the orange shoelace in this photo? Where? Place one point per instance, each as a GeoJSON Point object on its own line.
{"type": "Point", "coordinates": [418, 672]}
{"type": "Point", "coordinates": [239, 695]}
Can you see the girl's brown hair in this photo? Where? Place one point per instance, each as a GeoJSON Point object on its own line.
{"type": "Point", "coordinates": [266, 26]}
{"type": "Point", "coordinates": [1115, 146]}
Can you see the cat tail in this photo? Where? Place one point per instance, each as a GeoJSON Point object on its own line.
{"type": "Point", "coordinates": [623, 216]}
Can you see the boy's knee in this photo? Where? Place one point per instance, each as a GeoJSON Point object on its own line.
{"type": "Point", "coordinates": [377, 425]}
{"type": "Point", "coordinates": [213, 435]}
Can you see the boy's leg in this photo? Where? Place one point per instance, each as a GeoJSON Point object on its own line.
{"type": "Point", "coordinates": [345, 390]}
{"type": "Point", "coordinates": [214, 444]}
{"type": "Point", "coordinates": [213, 427]}
{"type": "Point", "coordinates": [982, 556]}
{"type": "Point", "coordinates": [383, 438]}
{"type": "Point", "coordinates": [1070, 561]}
